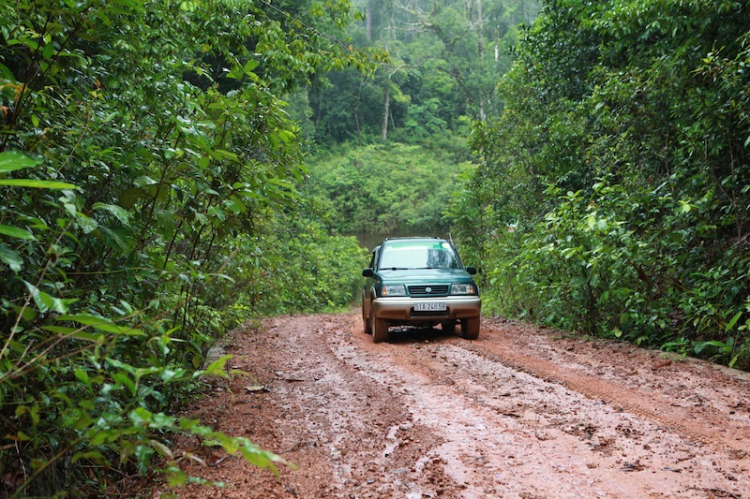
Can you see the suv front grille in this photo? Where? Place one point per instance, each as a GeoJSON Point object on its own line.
{"type": "Point", "coordinates": [428, 290]}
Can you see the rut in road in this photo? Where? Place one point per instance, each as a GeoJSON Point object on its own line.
{"type": "Point", "coordinates": [708, 427]}
{"type": "Point", "coordinates": [521, 412]}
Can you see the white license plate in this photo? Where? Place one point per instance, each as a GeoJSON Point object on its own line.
{"type": "Point", "coordinates": [430, 306]}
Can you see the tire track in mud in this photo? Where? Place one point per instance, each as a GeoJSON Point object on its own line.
{"type": "Point", "coordinates": [514, 414]}
{"type": "Point", "coordinates": [520, 452]}
{"type": "Point", "coordinates": [707, 428]}
{"type": "Point", "coordinates": [631, 431]}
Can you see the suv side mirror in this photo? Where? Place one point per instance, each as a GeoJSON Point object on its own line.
{"type": "Point", "coordinates": [367, 273]}
{"type": "Point", "coordinates": [471, 270]}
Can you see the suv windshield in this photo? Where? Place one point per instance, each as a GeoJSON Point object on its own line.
{"type": "Point", "coordinates": [406, 255]}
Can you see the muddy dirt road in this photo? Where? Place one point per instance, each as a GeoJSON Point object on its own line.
{"type": "Point", "coordinates": [521, 412]}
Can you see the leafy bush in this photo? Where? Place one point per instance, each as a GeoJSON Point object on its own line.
{"type": "Point", "coordinates": [144, 149]}
{"type": "Point", "coordinates": [620, 163]}
{"type": "Point", "coordinates": [381, 189]}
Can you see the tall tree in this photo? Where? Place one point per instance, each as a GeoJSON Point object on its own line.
{"type": "Point", "coordinates": [444, 52]}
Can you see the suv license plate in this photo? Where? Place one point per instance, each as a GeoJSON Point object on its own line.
{"type": "Point", "coordinates": [430, 306]}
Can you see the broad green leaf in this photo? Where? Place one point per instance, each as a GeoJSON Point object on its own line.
{"type": "Point", "coordinates": [217, 212]}
{"type": "Point", "coordinates": [734, 361]}
{"type": "Point", "coordinates": [701, 345]}
{"type": "Point", "coordinates": [125, 380]}
{"type": "Point", "coordinates": [234, 204]}
{"type": "Point", "coordinates": [46, 302]}
{"type": "Point", "coordinates": [141, 416]}
{"type": "Point", "coordinates": [27, 313]}
{"type": "Point", "coordinates": [161, 448]}
{"type": "Point", "coordinates": [16, 232]}
{"type": "Point", "coordinates": [217, 367]}
{"type": "Point", "coordinates": [37, 184]}
{"type": "Point", "coordinates": [222, 154]}
{"type": "Point", "coordinates": [6, 73]}
{"type": "Point", "coordinates": [250, 65]}
{"type": "Point", "coordinates": [76, 333]}
{"type": "Point", "coordinates": [143, 455]}
{"type": "Point", "coordinates": [116, 238]}
{"type": "Point", "coordinates": [101, 323]}
{"type": "Point", "coordinates": [189, 5]}
{"type": "Point", "coordinates": [15, 160]}
{"type": "Point", "coordinates": [129, 197]}
{"type": "Point", "coordinates": [94, 456]}
{"type": "Point", "coordinates": [82, 376]}
{"type": "Point", "coordinates": [734, 320]}
{"type": "Point", "coordinates": [11, 258]}
{"type": "Point", "coordinates": [48, 51]}
{"type": "Point", "coordinates": [176, 477]}
{"type": "Point", "coordinates": [119, 212]}
{"type": "Point", "coordinates": [20, 437]}
{"type": "Point", "coordinates": [145, 180]}
{"type": "Point", "coordinates": [86, 224]}
{"type": "Point", "coordinates": [60, 329]}
{"type": "Point", "coordinates": [170, 375]}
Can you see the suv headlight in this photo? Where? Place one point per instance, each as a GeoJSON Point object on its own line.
{"type": "Point", "coordinates": [463, 289]}
{"type": "Point", "coordinates": [393, 290]}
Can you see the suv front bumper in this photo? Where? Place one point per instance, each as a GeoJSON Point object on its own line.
{"type": "Point", "coordinates": [402, 308]}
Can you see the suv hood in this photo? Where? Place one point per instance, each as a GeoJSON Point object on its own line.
{"type": "Point", "coordinates": [423, 275]}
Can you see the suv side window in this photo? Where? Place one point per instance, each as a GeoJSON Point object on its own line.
{"type": "Point", "coordinates": [374, 257]}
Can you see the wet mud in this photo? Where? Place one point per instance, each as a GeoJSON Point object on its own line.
{"type": "Point", "coordinates": [522, 412]}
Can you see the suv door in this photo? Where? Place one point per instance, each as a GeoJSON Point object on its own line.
{"type": "Point", "coordinates": [367, 290]}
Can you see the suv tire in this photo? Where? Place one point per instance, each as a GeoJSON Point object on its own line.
{"type": "Point", "coordinates": [379, 330]}
{"type": "Point", "coordinates": [470, 328]}
{"type": "Point", "coordinates": [368, 324]}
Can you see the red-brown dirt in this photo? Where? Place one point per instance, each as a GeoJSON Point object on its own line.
{"type": "Point", "coordinates": [522, 412]}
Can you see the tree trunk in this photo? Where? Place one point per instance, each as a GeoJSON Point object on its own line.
{"type": "Point", "coordinates": [390, 29]}
{"type": "Point", "coordinates": [480, 31]}
{"type": "Point", "coordinates": [386, 112]}
{"type": "Point", "coordinates": [368, 20]}
{"type": "Point", "coordinates": [480, 53]}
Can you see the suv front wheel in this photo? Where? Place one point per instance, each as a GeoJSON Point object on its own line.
{"type": "Point", "coordinates": [367, 323]}
{"type": "Point", "coordinates": [470, 328]}
{"type": "Point", "coordinates": [379, 330]}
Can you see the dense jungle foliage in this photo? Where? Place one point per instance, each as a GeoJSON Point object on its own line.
{"type": "Point", "coordinates": [445, 59]}
{"type": "Point", "coordinates": [170, 170]}
{"type": "Point", "coordinates": [388, 149]}
{"type": "Point", "coordinates": [148, 173]}
{"type": "Point", "coordinates": [384, 189]}
{"type": "Point", "coordinates": [613, 191]}
{"type": "Point", "coordinates": [610, 192]}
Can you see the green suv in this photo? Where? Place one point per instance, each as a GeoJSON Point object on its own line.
{"type": "Point", "coordinates": [419, 282]}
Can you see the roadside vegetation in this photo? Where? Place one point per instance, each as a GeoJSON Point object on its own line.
{"type": "Point", "coordinates": [170, 170]}
{"type": "Point", "coordinates": [148, 175]}
{"type": "Point", "coordinates": [612, 194]}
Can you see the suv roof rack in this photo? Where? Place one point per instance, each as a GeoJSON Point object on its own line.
{"type": "Point", "coordinates": [412, 237]}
